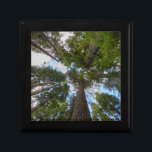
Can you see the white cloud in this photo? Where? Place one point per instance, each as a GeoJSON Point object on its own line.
{"type": "Point", "coordinates": [38, 59]}
{"type": "Point", "coordinates": [65, 35]}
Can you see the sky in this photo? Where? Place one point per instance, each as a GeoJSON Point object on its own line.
{"type": "Point", "coordinates": [39, 59]}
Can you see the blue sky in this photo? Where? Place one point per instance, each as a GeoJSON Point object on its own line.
{"type": "Point", "coordinates": [54, 67]}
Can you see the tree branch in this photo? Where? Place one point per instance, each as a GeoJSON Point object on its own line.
{"type": "Point", "coordinates": [36, 107]}
{"type": "Point", "coordinates": [43, 89]}
{"type": "Point", "coordinates": [113, 115]}
{"type": "Point", "coordinates": [41, 49]}
{"type": "Point", "coordinates": [48, 40]}
{"type": "Point", "coordinates": [108, 75]}
{"type": "Point", "coordinates": [92, 52]}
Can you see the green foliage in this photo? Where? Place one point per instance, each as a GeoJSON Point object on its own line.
{"type": "Point", "coordinates": [107, 104]}
{"type": "Point", "coordinates": [104, 62]}
{"type": "Point", "coordinates": [55, 96]}
{"type": "Point", "coordinates": [36, 36]}
{"type": "Point", "coordinates": [113, 83]}
{"type": "Point", "coordinates": [99, 114]}
{"type": "Point", "coordinates": [59, 92]}
{"type": "Point", "coordinates": [108, 44]}
{"type": "Point", "coordinates": [107, 57]}
{"type": "Point", "coordinates": [78, 77]}
{"type": "Point", "coordinates": [55, 108]}
{"type": "Point", "coordinates": [107, 101]}
{"type": "Point", "coordinates": [51, 41]}
{"type": "Point", "coordinates": [49, 111]}
{"type": "Point", "coordinates": [46, 74]}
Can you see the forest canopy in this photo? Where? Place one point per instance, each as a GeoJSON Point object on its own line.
{"type": "Point", "coordinates": [75, 76]}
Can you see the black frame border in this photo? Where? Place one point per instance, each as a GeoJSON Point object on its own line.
{"type": "Point", "coordinates": [125, 26]}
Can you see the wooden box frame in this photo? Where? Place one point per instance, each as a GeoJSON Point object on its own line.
{"type": "Point", "coordinates": [125, 26]}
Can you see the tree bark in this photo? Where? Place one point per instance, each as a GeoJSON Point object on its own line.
{"type": "Point", "coordinates": [42, 50]}
{"type": "Point", "coordinates": [91, 55]}
{"type": "Point", "coordinates": [80, 109]}
{"type": "Point", "coordinates": [70, 112]}
{"type": "Point", "coordinates": [41, 90]}
{"type": "Point", "coordinates": [40, 84]}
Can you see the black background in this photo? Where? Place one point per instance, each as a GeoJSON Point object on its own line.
{"type": "Point", "coordinates": [12, 139]}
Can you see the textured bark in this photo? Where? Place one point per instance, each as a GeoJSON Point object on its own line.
{"type": "Point", "coordinates": [81, 110]}
{"type": "Point", "coordinates": [91, 55]}
{"type": "Point", "coordinates": [70, 112]}
{"type": "Point", "coordinates": [41, 90]}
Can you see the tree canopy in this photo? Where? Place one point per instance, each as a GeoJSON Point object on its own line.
{"type": "Point", "coordinates": [90, 57]}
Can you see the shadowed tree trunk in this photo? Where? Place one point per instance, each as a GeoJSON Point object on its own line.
{"type": "Point", "coordinates": [80, 109]}
{"type": "Point", "coordinates": [70, 112]}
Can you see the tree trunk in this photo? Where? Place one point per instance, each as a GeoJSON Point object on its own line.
{"type": "Point", "coordinates": [42, 50]}
{"type": "Point", "coordinates": [41, 90]}
{"type": "Point", "coordinates": [81, 110]}
{"type": "Point", "coordinates": [91, 55]}
{"type": "Point", "coordinates": [70, 112]}
{"type": "Point", "coordinates": [40, 84]}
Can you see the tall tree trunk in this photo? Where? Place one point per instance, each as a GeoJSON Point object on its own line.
{"type": "Point", "coordinates": [41, 90]}
{"type": "Point", "coordinates": [70, 112]}
{"type": "Point", "coordinates": [80, 109]}
{"type": "Point", "coordinates": [42, 50]}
